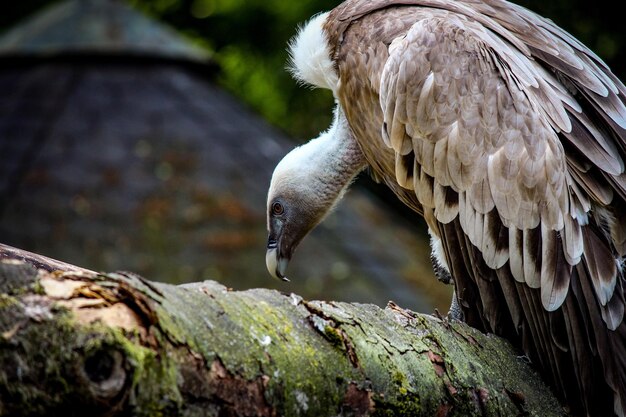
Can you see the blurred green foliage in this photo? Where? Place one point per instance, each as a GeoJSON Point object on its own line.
{"type": "Point", "coordinates": [249, 37]}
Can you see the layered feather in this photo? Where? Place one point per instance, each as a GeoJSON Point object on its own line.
{"type": "Point", "coordinates": [509, 136]}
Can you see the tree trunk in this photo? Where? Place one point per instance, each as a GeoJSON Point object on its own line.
{"type": "Point", "coordinates": [74, 342]}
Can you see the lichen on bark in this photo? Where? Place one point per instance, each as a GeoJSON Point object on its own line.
{"type": "Point", "coordinates": [77, 342]}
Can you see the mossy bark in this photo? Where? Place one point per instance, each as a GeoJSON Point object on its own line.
{"type": "Point", "coordinates": [80, 343]}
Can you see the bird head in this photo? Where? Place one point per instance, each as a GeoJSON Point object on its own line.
{"type": "Point", "coordinates": [305, 187]}
{"type": "Point", "coordinates": [297, 201]}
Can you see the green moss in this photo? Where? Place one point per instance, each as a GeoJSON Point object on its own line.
{"type": "Point", "coordinates": [400, 379]}
{"type": "Point", "coordinates": [38, 289]}
{"type": "Point", "coordinates": [7, 301]}
{"type": "Point", "coordinates": [38, 362]}
{"type": "Point", "coordinates": [334, 336]}
{"type": "Point", "coordinates": [404, 405]}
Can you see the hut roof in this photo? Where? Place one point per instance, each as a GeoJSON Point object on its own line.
{"type": "Point", "coordinates": [96, 27]}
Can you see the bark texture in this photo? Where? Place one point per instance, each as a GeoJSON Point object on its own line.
{"type": "Point", "coordinates": [75, 342]}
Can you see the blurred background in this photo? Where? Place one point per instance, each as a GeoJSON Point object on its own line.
{"type": "Point", "coordinates": [141, 135]}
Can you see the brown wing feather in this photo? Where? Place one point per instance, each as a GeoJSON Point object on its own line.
{"type": "Point", "coordinates": [508, 134]}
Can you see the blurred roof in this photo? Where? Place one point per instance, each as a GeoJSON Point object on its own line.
{"type": "Point", "coordinates": [150, 167]}
{"type": "Point", "coordinates": [96, 27]}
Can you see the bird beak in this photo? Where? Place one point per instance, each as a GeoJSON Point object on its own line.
{"type": "Point", "coordinates": [275, 261]}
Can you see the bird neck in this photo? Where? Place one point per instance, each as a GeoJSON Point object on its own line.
{"type": "Point", "coordinates": [338, 159]}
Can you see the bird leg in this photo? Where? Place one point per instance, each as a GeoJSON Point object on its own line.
{"type": "Point", "coordinates": [443, 275]}
{"type": "Point", "coordinates": [455, 312]}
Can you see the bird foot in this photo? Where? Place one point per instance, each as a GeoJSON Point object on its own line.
{"type": "Point", "coordinates": [455, 312]}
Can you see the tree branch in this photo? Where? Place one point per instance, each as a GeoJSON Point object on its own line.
{"type": "Point", "coordinates": [74, 342]}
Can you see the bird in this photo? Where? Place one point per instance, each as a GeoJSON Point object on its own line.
{"type": "Point", "coordinates": [508, 136]}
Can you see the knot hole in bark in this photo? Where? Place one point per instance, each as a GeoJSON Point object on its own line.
{"type": "Point", "coordinates": [104, 371]}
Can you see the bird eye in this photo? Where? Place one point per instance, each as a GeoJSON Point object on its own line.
{"type": "Point", "coordinates": [277, 209]}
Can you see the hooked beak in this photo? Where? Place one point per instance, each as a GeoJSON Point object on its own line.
{"type": "Point", "coordinates": [276, 263]}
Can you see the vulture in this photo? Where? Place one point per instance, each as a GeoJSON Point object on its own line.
{"type": "Point", "coordinates": [508, 136]}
